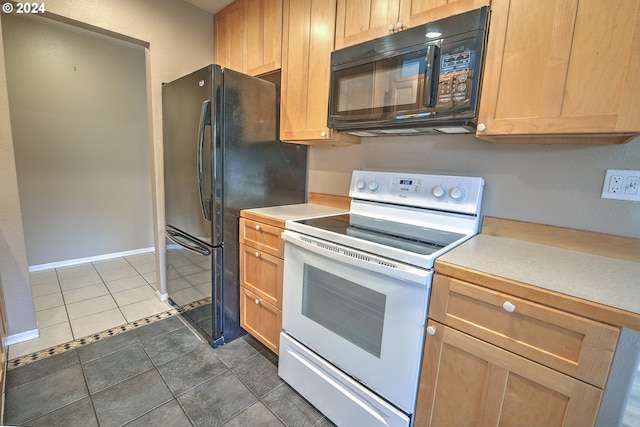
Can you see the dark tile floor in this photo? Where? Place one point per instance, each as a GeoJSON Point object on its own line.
{"type": "Point", "coordinates": [161, 374]}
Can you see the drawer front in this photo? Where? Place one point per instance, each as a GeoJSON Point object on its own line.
{"type": "Point", "coordinates": [571, 344]}
{"type": "Point", "coordinates": [468, 382]}
{"type": "Point", "coordinates": [262, 274]}
{"type": "Point", "coordinates": [261, 319]}
{"type": "Point", "coordinates": [262, 236]}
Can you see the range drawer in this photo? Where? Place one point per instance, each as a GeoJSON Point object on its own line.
{"type": "Point", "coordinates": [262, 236]}
{"type": "Point", "coordinates": [579, 347]}
{"type": "Point", "coordinates": [262, 274]}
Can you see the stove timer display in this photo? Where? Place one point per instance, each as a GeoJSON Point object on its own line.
{"type": "Point", "coordinates": [409, 185]}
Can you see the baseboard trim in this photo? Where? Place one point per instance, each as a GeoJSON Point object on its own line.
{"type": "Point", "coordinates": [77, 261]}
{"type": "Point", "coordinates": [22, 336]}
{"type": "Point", "coordinates": [163, 297]}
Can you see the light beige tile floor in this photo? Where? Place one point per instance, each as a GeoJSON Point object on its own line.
{"type": "Point", "coordinates": [77, 301]}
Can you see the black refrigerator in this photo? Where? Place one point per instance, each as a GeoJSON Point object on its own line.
{"type": "Point", "coordinates": [221, 155]}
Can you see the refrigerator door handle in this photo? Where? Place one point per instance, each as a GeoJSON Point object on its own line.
{"type": "Point", "coordinates": [183, 240]}
{"type": "Point", "coordinates": [205, 120]}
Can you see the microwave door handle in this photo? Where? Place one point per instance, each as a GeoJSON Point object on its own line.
{"type": "Point", "coordinates": [431, 76]}
{"type": "Point", "coordinates": [205, 120]}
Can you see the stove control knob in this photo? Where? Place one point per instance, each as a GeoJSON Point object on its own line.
{"type": "Point", "coordinates": [438, 192]}
{"type": "Point", "coordinates": [372, 186]}
{"type": "Point", "coordinates": [361, 185]}
{"type": "Point", "coordinates": [456, 193]}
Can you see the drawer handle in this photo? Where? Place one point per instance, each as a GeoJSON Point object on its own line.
{"type": "Point", "coordinates": [257, 301]}
{"type": "Point", "coordinates": [508, 307]}
{"type": "Point", "coordinates": [431, 330]}
{"type": "Point", "coordinates": [258, 227]}
{"type": "Point", "coordinates": [257, 254]}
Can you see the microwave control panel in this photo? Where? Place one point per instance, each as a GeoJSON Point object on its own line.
{"type": "Point", "coordinates": [456, 78]}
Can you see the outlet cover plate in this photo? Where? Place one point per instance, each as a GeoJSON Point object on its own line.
{"type": "Point", "coordinates": [621, 184]}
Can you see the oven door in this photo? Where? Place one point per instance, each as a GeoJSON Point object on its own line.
{"type": "Point", "coordinates": [362, 313]}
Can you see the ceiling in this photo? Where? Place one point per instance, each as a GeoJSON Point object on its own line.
{"type": "Point", "coordinates": [211, 6]}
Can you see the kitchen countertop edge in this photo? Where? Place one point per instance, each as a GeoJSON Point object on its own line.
{"type": "Point", "coordinates": [278, 215]}
{"type": "Point", "coordinates": [594, 286]}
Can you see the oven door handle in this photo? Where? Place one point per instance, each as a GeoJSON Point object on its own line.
{"type": "Point", "coordinates": [359, 259]}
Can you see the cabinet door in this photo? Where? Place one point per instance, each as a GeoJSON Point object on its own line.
{"type": "Point", "coordinates": [260, 319]}
{"type": "Point", "coordinates": [307, 44]}
{"type": "Point", "coordinates": [262, 36]}
{"type": "Point", "coordinates": [361, 20]}
{"type": "Point", "coordinates": [466, 382]}
{"type": "Point", "coordinates": [261, 236]}
{"type": "Point", "coordinates": [228, 37]}
{"type": "Point", "coordinates": [577, 346]}
{"type": "Point", "coordinates": [548, 71]}
{"type": "Point", "coordinates": [417, 12]}
{"type": "Point", "coordinates": [262, 274]}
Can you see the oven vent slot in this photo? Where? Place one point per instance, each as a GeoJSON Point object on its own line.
{"type": "Point", "coordinates": [320, 245]}
{"type": "Point", "coordinates": [386, 264]}
{"type": "Point", "coordinates": [359, 256]}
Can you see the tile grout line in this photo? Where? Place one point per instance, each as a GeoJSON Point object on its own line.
{"type": "Point", "coordinates": [61, 348]}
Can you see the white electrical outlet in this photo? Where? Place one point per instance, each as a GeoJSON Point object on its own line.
{"type": "Point", "coordinates": [621, 184]}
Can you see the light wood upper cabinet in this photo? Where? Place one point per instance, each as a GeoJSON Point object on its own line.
{"type": "Point", "coordinates": [563, 69]}
{"type": "Point", "coordinates": [248, 36]}
{"type": "Point", "coordinates": [262, 36]}
{"type": "Point", "coordinates": [308, 34]}
{"type": "Point", "coordinates": [229, 36]}
{"type": "Point", "coordinates": [361, 20]}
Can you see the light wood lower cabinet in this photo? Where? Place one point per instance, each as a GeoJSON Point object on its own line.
{"type": "Point", "coordinates": [467, 382]}
{"type": "Point", "coordinates": [261, 319]}
{"type": "Point", "coordinates": [492, 359]}
{"type": "Point", "coordinates": [261, 269]}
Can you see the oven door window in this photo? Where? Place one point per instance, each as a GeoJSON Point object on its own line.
{"type": "Point", "coordinates": [381, 88]}
{"type": "Point", "coordinates": [347, 309]}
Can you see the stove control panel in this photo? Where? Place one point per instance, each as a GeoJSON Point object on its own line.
{"type": "Point", "coordinates": [462, 194]}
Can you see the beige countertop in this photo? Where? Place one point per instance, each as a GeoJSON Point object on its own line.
{"type": "Point", "coordinates": [277, 215]}
{"type": "Point", "coordinates": [609, 282]}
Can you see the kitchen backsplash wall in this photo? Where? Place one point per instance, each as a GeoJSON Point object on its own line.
{"type": "Point", "coordinates": [548, 184]}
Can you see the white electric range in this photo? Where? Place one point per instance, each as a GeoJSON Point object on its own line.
{"type": "Point", "coordinates": [356, 292]}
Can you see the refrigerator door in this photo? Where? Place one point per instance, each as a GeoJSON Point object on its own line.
{"type": "Point", "coordinates": [189, 279]}
{"type": "Point", "coordinates": [188, 109]}
{"type": "Point", "coordinates": [258, 170]}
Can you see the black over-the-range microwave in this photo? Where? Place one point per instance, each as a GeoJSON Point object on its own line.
{"type": "Point", "coordinates": [423, 80]}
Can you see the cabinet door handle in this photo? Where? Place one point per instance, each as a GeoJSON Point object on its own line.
{"type": "Point", "coordinates": [400, 26]}
{"type": "Point", "coordinates": [481, 127]}
{"type": "Point", "coordinates": [392, 28]}
{"type": "Point", "coordinates": [431, 330]}
{"type": "Point", "coordinates": [257, 301]}
{"type": "Point", "coordinates": [323, 134]}
{"type": "Point", "coordinates": [509, 307]}
{"type": "Point", "coordinates": [258, 255]}
{"type": "Point", "coordinates": [258, 227]}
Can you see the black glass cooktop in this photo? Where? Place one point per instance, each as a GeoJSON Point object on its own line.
{"type": "Point", "coordinates": [408, 237]}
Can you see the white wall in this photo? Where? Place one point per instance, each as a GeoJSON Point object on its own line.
{"type": "Point", "coordinates": [179, 39]}
{"type": "Point", "coordinates": [14, 272]}
{"type": "Point", "coordinates": [79, 118]}
{"type": "Point", "coordinates": [549, 184]}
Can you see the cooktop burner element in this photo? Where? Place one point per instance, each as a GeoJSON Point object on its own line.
{"type": "Point", "coordinates": [412, 218]}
